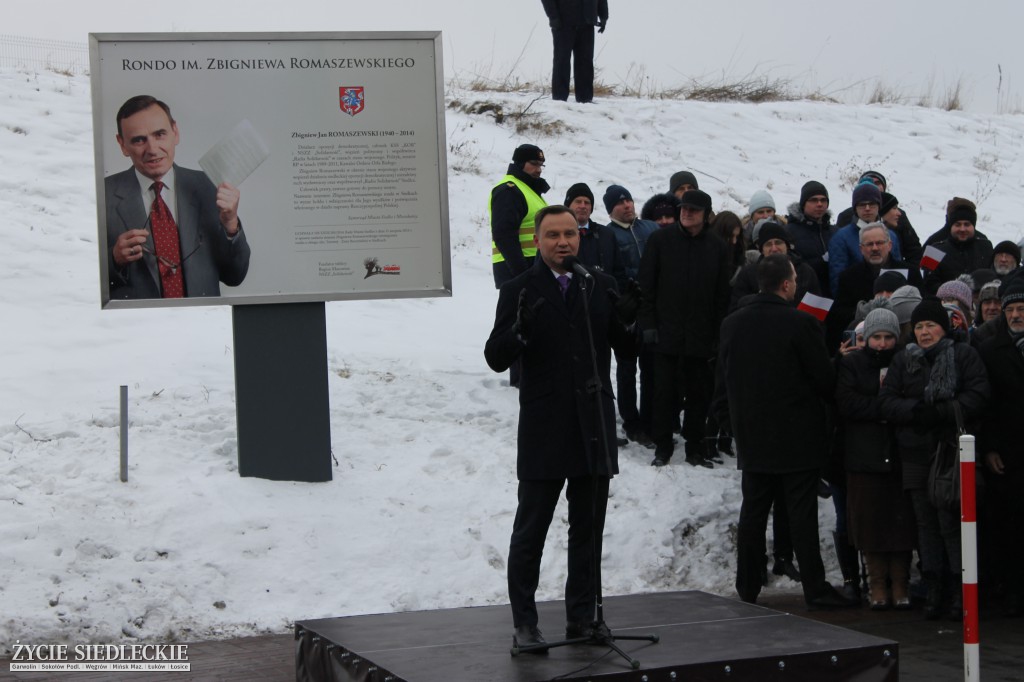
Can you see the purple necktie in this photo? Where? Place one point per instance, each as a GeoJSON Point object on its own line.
{"type": "Point", "coordinates": [563, 284]}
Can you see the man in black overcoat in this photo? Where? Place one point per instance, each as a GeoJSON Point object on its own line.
{"type": "Point", "coordinates": [540, 321]}
{"type": "Point", "coordinates": [773, 378]}
{"type": "Point", "coordinates": [1001, 446]}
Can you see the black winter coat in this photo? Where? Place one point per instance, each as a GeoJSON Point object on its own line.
{"type": "Point", "coordinates": [961, 258]}
{"type": "Point", "coordinates": [746, 284]}
{"type": "Point", "coordinates": [903, 389]}
{"type": "Point", "coordinates": [558, 423]}
{"type": "Point", "coordinates": [597, 247]}
{"type": "Point", "coordinates": [773, 380]}
{"type": "Point", "coordinates": [1001, 423]}
{"type": "Point", "coordinates": [810, 241]}
{"type": "Point", "coordinates": [868, 440]}
{"type": "Point", "coordinates": [576, 12]}
{"type": "Point", "coordinates": [685, 284]}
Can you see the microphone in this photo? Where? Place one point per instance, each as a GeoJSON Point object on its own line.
{"type": "Point", "coordinates": [573, 263]}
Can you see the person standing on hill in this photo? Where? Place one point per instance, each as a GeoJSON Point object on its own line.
{"type": "Point", "coordinates": [572, 30]}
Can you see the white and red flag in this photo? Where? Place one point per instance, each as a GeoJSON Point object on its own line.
{"type": "Point", "coordinates": [931, 258]}
{"type": "Point", "coordinates": [815, 305]}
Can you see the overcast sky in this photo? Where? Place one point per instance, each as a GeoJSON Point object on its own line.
{"type": "Point", "coordinates": [835, 47]}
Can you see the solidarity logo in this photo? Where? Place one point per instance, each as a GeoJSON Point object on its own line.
{"type": "Point", "coordinates": [374, 268]}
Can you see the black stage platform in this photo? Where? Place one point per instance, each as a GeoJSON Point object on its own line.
{"type": "Point", "coordinates": [703, 638]}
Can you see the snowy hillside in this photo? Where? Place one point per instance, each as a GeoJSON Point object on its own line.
{"type": "Point", "coordinates": [420, 508]}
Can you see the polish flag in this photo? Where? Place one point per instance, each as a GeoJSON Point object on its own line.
{"type": "Point", "coordinates": [815, 305]}
{"type": "Point", "coordinates": [931, 258]}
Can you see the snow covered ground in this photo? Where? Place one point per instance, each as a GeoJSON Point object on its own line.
{"type": "Point", "coordinates": [420, 508]}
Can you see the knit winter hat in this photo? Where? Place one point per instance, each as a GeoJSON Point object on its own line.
{"type": "Point", "coordinates": [903, 302]}
{"type": "Point", "coordinates": [580, 189]}
{"type": "Point", "coordinates": [958, 291]}
{"type": "Point", "coordinates": [890, 281]}
{"type": "Point", "coordinates": [695, 197]}
{"type": "Point", "coordinates": [613, 195]}
{"type": "Point", "coordinates": [931, 309]}
{"type": "Point", "coordinates": [981, 277]}
{"type": "Point", "coordinates": [682, 178]}
{"type": "Point", "coordinates": [872, 176]}
{"type": "Point", "coordinates": [881, 320]}
{"type": "Point", "coordinates": [989, 291]}
{"type": "Point", "coordinates": [961, 209]}
{"type": "Point", "coordinates": [866, 192]}
{"type": "Point", "coordinates": [811, 189]}
{"type": "Point", "coordinates": [527, 152]}
{"type": "Point", "coordinates": [889, 202]}
{"type": "Point", "coordinates": [761, 199]}
{"type": "Point", "coordinates": [766, 230]}
{"type": "Point", "coordinates": [1007, 247]}
{"type": "Point", "coordinates": [1012, 291]}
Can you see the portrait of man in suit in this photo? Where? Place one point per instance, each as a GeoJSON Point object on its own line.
{"type": "Point", "coordinates": [170, 232]}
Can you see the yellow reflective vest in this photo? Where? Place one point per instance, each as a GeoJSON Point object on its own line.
{"type": "Point", "coordinates": [534, 203]}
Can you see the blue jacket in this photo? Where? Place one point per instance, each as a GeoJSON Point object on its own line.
{"type": "Point", "coordinates": [629, 246]}
{"type": "Point", "coordinates": [844, 251]}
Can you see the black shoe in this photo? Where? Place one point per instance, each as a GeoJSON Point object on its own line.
{"type": "Point", "coordinates": [621, 442]}
{"type": "Point", "coordinates": [528, 635]}
{"type": "Point", "coordinates": [597, 632]}
{"type": "Point", "coordinates": [711, 451]}
{"type": "Point", "coordinates": [661, 456]}
{"type": "Point", "coordinates": [831, 598]}
{"type": "Point", "coordinates": [640, 438]}
{"type": "Point", "coordinates": [787, 568]}
{"type": "Point", "coordinates": [699, 461]}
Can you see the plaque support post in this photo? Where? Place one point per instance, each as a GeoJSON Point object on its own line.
{"type": "Point", "coordinates": [282, 405]}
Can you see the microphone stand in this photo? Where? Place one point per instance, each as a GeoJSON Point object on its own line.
{"type": "Point", "coordinates": [600, 634]}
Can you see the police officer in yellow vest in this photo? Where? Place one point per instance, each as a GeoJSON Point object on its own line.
{"type": "Point", "coordinates": [513, 203]}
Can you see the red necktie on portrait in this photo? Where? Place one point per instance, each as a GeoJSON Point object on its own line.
{"type": "Point", "coordinates": [168, 247]}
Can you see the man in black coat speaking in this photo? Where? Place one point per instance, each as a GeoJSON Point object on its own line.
{"type": "Point", "coordinates": [540, 321]}
{"type": "Point", "coordinates": [773, 378]}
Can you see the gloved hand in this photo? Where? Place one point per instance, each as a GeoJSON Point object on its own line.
{"type": "Point", "coordinates": [555, 24]}
{"type": "Point", "coordinates": [601, 24]}
{"type": "Point", "coordinates": [650, 337]}
{"type": "Point", "coordinates": [628, 303]}
{"type": "Point", "coordinates": [526, 316]}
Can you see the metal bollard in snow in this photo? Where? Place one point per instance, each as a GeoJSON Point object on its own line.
{"type": "Point", "coordinates": [124, 434]}
{"type": "Point", "coordinates": [969, 554]}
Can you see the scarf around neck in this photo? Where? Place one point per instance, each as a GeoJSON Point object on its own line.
{"type": "Point", "coordinates": [942, 378]}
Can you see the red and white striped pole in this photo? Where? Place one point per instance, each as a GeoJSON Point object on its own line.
{"type": "Point", "coordinates": [969, 554]}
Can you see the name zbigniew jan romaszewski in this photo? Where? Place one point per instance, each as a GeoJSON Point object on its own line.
{"type": "Point", "coordinates": [99, 657]}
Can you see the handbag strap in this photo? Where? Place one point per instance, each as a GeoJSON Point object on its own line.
{"type": "Point", "coordinates": [959, 415]}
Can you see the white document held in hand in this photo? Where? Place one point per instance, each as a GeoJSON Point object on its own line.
{"type": "Point", "coordinates": [235, 157]}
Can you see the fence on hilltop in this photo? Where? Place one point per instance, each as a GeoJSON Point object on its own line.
{"type": "Point", "coordinates": [61, 56]}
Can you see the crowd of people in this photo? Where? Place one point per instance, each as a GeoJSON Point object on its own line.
{"type": "Point", "coordinates": [915, 342]}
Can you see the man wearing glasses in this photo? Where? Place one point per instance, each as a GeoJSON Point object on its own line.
{"type": "Point", "coordinates": [809, 224]}
{"type": "Point", "coordinates": [513, 203]}
{"type": "Point", "coordinates": [170, 232]}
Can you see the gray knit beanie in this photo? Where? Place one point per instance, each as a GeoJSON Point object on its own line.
{"type": "Point", "coordinates": [761, 199]}
{"type": "Point", "coordinates": [881, 320]}
{"type": "Point", "coordinates": [903, 301]}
